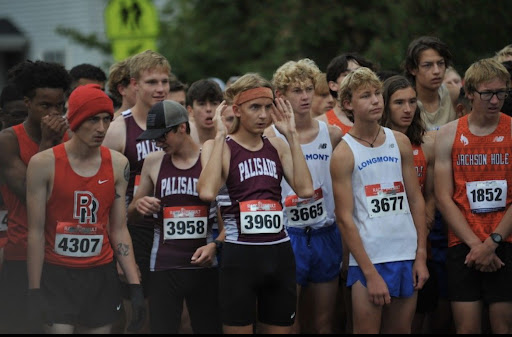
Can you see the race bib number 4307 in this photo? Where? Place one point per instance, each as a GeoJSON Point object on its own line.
{"type": "Point", "coordinates": [386, 199]}
{"type": "Point", "coordinates": [261, 217]}
{"type": "Point", "coordinates": [76, 240]}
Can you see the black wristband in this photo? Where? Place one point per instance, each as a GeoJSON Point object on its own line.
{"type": "Point", "coordinates": [218, 245]}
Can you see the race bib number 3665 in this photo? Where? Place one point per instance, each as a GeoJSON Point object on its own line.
{"type": "Point", "coordinates": [261, 217]}
{"type": "Point", "coordinates": [386, 199]}
{"type": "Point", "coordinates": [185, 222]}
{"type": "Point", "coordinates": [304, 212]}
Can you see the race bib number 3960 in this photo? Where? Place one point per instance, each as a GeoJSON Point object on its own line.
{"type": "Point", "coordinates": [261, 217]}
{"type": "Point", "coordinates": [386, 199]}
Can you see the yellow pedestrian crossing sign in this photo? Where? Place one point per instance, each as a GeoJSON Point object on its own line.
{"type": "Point", "coordinates": [132, 26]}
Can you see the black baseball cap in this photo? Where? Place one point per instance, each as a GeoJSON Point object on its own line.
{"type": "Point", "coordinates": [161, 117]}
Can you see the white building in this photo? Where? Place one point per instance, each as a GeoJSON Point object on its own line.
{"type": "Point", "coordinates": [36, 38]}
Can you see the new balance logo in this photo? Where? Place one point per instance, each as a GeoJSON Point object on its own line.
{"type": "Point", "coordinates": [498, 139]}
{"type": "Point", "coordinates": [102, 181]}
{"type": "Point", "coordinates": [322, 146]}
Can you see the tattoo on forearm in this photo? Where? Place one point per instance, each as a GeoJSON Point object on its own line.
{"type": "Point", "coordinates": [123, 249]}
{"type": "Point", "coordinates": [127, 172]}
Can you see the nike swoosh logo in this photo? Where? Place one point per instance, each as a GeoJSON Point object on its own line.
{"type": "Point", "coordinates": [118, 307]}
{"type": "Point", "coordinates": [102, 181]}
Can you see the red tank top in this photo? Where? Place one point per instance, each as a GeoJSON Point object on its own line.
{"type": "Point", "coordinates": [17, 230]}
{"type": "Point", "coordinates": [420, 164]}
{"type": "Point", "coordinates": [77, 215]}
{"type": "Point", "coordinates": [332, 119]}
{"type": "Point", "coordinates": [482, 177]}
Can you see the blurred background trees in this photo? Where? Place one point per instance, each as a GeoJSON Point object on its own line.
{"type": "Point", "coordinates": [220, 38]}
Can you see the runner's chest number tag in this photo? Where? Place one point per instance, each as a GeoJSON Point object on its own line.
{"type": "Point", "coordinates": [3, 220]}
{"type": "Point", "coordinates": [76, 240]}
{"type": "Point", "coordinates": [487, 196]}
{"type": "Point", "coordinates": [303, 212]}
{"type": "Point", "coordinates": [386, 199]}
{"type": "Point", "coordinates": [261, 217]}
{"type": "Point", "coordinates": [185, 222]}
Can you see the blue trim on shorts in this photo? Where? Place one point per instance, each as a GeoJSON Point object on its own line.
{"type": "Point", "coordinates": [397, 275]}
{"type": "Point", "coordinates": [318, 253]}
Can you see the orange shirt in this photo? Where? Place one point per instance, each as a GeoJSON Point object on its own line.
{"type": "Point", "coordinates": [420, 164]}
{"type": "Point", "coordinates": [482, 177]}
{"type": "Point", "coordinates": [332, 119]}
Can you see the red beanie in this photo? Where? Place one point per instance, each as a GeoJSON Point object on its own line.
{"type": "Point", "coordinates": [87, 101]}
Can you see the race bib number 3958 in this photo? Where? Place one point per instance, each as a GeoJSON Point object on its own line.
{"type": "Point", "coordinates": [386, 199]}
{"type": "Point", "coordinates": [185, 222]}
{"type": "Point", "coordinates": [261, 217]}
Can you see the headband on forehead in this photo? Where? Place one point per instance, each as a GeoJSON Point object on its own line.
{"type": "Point", "coordinates": [254, 93]}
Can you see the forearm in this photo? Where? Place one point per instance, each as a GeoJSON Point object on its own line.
{"type": "Point", "coordinates": [210, 179]}
{"type": "Point", "coordinates": [35, 257]}
{"type": "Point", "coordinates": [456, 222]}
{"type": "Point", "coordinates": [354, 245]}
{"type": "Point", "coordinates": [303, 183]}
{"type": "Point", "coordinates": [123, 250]}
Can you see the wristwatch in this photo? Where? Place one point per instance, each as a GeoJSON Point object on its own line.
{"type": "Point", "coordinates": [218, 245]}
{"type": "Point", "coordinates": [496, 238]}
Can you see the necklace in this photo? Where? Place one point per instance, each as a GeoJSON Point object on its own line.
{"type": "Point", "coordinates": [374, 139]}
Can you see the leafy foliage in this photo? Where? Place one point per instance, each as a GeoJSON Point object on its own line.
{"type": "Point", "coordinates": [221, 38]}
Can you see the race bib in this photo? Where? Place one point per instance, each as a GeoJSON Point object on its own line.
{"type": "Point", "coordinates": [304, 212]}
{"type": "Point", "coordinates": [261, 217]}
{"type": "Point", "coordinates": [487, 196]}
{"type": "Point", "coordinates": [386, 199]}
{"type": "Point", "coordinates": [3, 220]}
{"type": "Point", "coordinates": [76, 240]}
{"type": "Point", "coordinates": [185, 222]}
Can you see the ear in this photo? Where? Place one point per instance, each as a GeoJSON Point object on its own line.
{"type": "Point", "coordinates": [347, 104]}
{"type": "Point", "coordinates": [133, 82]}
{"type": "Point", "coordinates": [190, 110]}
{"type": "Point", "coordinates": [279, 94]}
{"type": "Point", "coordinates": [333, 86]}
{"type": "Point", "coordinates": [459, 109]}
{"type": "Point", "coordinates": [236, 110]}
{"type": "Point", "coordinates": [413, 72]}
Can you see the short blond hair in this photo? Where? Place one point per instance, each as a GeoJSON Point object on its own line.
{"type": "Point", "coordinates": [483, 71]}
{"type": "Point", "coordinates": [118, 74]}
{"type": "Point", "coordinates": [293, 72]}
{"type": "Point", "coordinates": [360, 78]}
{"type": "Point", "coordinates": [146, 60]}
{"type": "Point", "coordinates": [321, 85]}
{"type": "Point", "coordinates": [504, 54]}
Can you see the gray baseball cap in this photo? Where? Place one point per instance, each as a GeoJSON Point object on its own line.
{"type": "Point", "coordinates": [161, 117]}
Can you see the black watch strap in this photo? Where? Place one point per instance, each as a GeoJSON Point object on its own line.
{"type": "Point", "coordinates": [218, 245]}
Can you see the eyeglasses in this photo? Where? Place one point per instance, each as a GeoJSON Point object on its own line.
{"type": "Point", "coordinates": [162, 138]}
{"type": "Point", "coordinates": [487, 95]}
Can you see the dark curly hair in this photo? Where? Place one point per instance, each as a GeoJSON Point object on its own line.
{"type": "Point", "coordinates": [28, 76]}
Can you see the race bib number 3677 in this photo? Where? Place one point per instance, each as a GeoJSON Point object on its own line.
{"type": "Point", "coordinates": [386, 199]}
